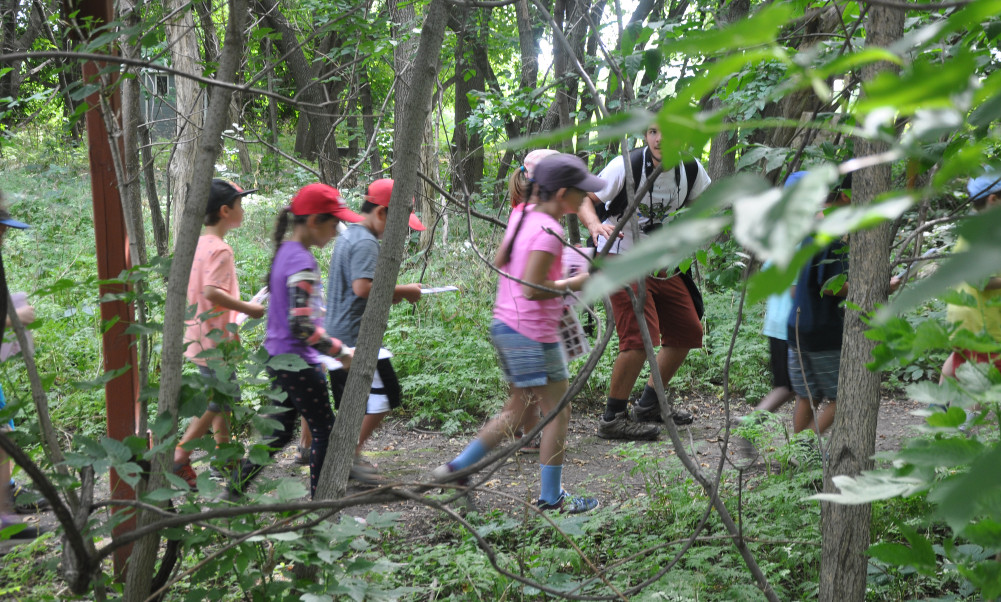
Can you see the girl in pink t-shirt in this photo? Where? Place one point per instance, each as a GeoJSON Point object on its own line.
{"type": "Point", "coordinates": [526, 318]}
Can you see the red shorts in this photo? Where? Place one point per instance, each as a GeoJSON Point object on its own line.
{"type": "Point", "coordinates": [669, 313]}
{"type": "Point", "coordinates": [961, 356]}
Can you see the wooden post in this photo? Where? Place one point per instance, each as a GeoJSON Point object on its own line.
{"type": "Point", "coordinates": [119, 348]}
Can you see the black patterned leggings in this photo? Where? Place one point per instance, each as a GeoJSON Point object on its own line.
{"type": "Point", "coordinates": [305, 393]}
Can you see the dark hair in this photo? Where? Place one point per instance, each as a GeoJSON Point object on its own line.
{"type": "Point", "coordinates": [369, 207]}
{"type": "Point", "coordinates": [281, 225]}
{"type": "Point", "coordinates": [505, 255]}
{"type": "Point", "coordinates": [213, 218]}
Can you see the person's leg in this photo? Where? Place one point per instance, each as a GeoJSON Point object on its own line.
{"type": "Point", "coordinates": [368, 425]}
{"type": "Point", "coordinates": [802, 416]}
{"type": "Point", "coordinates": [775, 399]}
{"type": "Point", "coordinates": [313, 402]}
{"type": "Point", "coordinates": [220, 428]}
{"type": "Point", "coordinates": [285, 414]}
{"type": "Point", "coordinates": [672, 318]}
{"type": "Point", "coordinates": [197, 429]}
{"type": "Point", "coordinates": [305, 438]}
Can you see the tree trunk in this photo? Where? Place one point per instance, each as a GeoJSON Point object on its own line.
{"type": "Point", "coordinates": [188, 226]}
{"type": "Point", "coordinates": [470, 58]}
{"type": "Point", "coordinates": [183, 43]}
{"type": "Point", "coordinates": [722, 160]}
{"type": "Point", "coordinates": [368, 120]}
{"type": "Point", "coordinates": [412, 106]}
{"type": "Point", "coordinates": [845, 529]}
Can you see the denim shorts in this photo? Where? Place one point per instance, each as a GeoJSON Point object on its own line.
{"type": "Point", "coordinates": [524, 362]}
{"type": "Point", "coordinates": [818, 371]}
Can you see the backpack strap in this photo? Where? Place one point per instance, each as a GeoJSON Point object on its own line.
{"type": "Point", "coordinates": [691, 172]}
{"type": "Point", "coordinates": [618, 205]}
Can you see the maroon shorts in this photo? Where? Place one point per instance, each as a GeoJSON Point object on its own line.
{"type": "Point", "coordinates": [669, 312]}
{"type": "Point", "coordinates": [961, 356]}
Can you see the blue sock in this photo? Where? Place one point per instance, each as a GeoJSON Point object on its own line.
{"type": "Point", "coordinates": [473, 453]}
{"type": "Point", "coordinates": [552, 483]}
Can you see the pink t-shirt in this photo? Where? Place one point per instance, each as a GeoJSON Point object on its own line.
{"type": "Point", "coordinates": [537, 320]}
{"type": "Point", "coordinates": [213, 265]}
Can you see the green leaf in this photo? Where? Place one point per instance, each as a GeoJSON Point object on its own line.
{"type": "Point", "coordinates": [951, 418]}
{"type": "Point", "coordinates": [946, 451]}
{"type": "Point", "coordinates": [959, 497]}
{"type": "Point", "coordinates": [762, 28]}
{"type": "Point", "coordinates": [116, 450]}
{"type": "Point", "coordinates": [289, 362]}
{"type": "Point", "coordinates": [869, 487]}
{"type": "Point", "coordinates": [291, 489]}
{"type": "Point", "coordinates": [772, 223]}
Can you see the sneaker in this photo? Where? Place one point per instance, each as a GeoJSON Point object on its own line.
{"type": "Point", "coordinates": [623, 428]}
{"type": "Point", "coordinates": [570, 504]}
{"type": "Point", "coordinates": [301, 455]}
{"type": "Point", "coordinates": [364, 472]}
{"type": "Point", "coordinates": [27, 532]}
{"type": "Point", "coordinates": [27, 500]}
{"type": "Point", "coordinates": [443, 472]}
{"type": "Point", "coordinates": [187, 473]}
{"type": "Point", "coordinates": [640, 413]}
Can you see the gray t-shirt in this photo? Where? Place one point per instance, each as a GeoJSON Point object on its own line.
{"type": "Point", "coordinates": [354, 257]}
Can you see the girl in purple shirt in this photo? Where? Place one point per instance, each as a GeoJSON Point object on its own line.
{"type": "Point", "coordinates": [526, 318]}
{"type": "Point", "coordinates": [295, 326]}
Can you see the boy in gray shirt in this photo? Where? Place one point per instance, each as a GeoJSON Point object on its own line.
{"type": "Point", "coordinates": [349, 282]}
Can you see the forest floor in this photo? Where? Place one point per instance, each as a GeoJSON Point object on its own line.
{"type": "Point", "coordinates": [594, 466]}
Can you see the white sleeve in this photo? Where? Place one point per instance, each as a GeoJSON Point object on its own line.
{"type": "Point", "coordinates": [702, 181]}
{"type": "Point", "coordinates": [615, 175]}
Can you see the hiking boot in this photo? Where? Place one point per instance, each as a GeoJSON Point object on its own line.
{"type": "Point", "coordinates": [569, 504]}
{"type": "Point", "coordinates": [639, 413]}
{"type": "Point", "coordinates": [623, 428]}
{"type": "Point", "coordinates": [27, 532]}
{"type": "Point", "coordinates": [187, 473]}
{"type": "Point", "coordinates": [27, 500]}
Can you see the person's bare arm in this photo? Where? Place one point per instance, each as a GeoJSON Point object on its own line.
{"type": "Point", "coordinates": [217, 296]}
{"type": "Point", "coordinates": [536, 271]}
{"type": "Point", "coordinates": [589, 217]}
{"type": "Point", "coordinates": [407, 292]}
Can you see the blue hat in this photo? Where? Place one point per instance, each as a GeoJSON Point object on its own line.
{"type": "Point", "coordinates": [794, 177]}
{"type": "Point", "coordinates": [987, 184]}
{"type": "Point", "coordinates": [8, 221]}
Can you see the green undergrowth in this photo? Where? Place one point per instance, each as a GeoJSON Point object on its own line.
{"type": "Point", "coordinates": [627, 542]}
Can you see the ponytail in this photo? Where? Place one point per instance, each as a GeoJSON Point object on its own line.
{"type": "Point", "coordinates": [504, 254]}
{"type": "Point", "coordinates": [281, 225]}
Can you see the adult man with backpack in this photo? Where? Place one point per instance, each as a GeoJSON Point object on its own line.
{"type": "Point", "coordinates": [670, 309]}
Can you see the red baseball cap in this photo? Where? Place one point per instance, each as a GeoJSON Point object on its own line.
{"type": "Point", "coordinates": [379, 193]}
{"type": "Point", "coordinates": [320, 198]}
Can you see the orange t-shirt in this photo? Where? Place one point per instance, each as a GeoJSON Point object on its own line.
{"type": "Point", "coordinates": [213, 265]}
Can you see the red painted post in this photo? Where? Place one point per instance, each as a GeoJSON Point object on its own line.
{"type": "Point", "coordinates": [122, 393]}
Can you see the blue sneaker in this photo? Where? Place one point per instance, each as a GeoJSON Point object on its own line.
{"type": "Point", "coordinates": [570, 504]}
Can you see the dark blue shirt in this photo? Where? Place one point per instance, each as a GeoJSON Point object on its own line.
{"type": "Point", "coordinates": [821, 317]}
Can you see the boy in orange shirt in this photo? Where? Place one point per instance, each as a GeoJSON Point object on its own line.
{"type": "Point", "coordinates": [214, 291]}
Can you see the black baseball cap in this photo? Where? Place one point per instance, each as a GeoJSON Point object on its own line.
{"type": "Point", "coordinates": [223, 193]}
{"type": "Point", "coordinates": [566, 171]}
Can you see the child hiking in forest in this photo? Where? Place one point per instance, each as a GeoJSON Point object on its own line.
{"type": "Point", "coordinates": [9, 490]}
{"type": "Point", "coordinates": [295, 327]}
{"type": "Point", "coordinates": [983, 315]}
{"type": "Point", "coordinates": [519, 188]}
{"type": "Point", "coordinates": [525, 326]}
{"type": "Point", "coordinates": [215, 292]}
{"type": "Point", "coordinates": [349, 283]}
